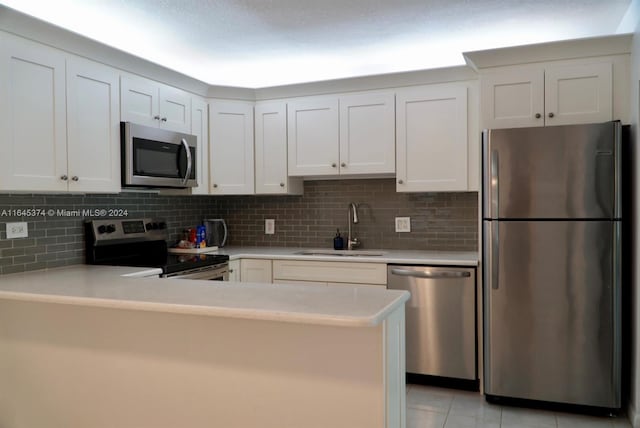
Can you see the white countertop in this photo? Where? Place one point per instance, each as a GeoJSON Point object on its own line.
{"type": "Point", "coordinates": [413, 257]}
{"type": "Point", "coordinates": [105, 286]}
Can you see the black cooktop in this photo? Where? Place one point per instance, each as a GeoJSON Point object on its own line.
{"type": "Point", "coordinates": [171, 263]}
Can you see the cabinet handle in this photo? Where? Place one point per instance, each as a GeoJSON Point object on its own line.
{"type": "Point", "coordinates": [281, 184]}
{"type": "Point", "coordinates": [400, 182]}
{"type": "Point", "coordinates": [333, 165]}
{"type": "Point", "coordinates": [551, 115]}
{"type": "Point", "coordinates": [164, 119]}
{"type": "Point", "coordinates": [538, 115]}
{"type": "Point", "coordinates": [156, 117]}
{"type": "Point", "coordinates": [64, 178]}
{"type": "Point", "coordinates": [215, 185]}
{"type": "Point", "coordinates": [343, 165]}
{"type": "Point", "coordinates": [74, 178]}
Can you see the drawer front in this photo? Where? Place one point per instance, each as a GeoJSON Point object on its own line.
{"type": "Point", "coordinates": [343, 272]}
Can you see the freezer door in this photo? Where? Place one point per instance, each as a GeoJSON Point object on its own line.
{"type": "Point", "coordinates": [552, 320]}
{"type": "Point", "coordinates": [555, 172]}
{"type": "Point", "coordinates": [440, 319]}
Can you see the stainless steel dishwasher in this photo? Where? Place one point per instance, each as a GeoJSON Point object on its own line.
{"type": "Point", "coordinates": [440, 319]}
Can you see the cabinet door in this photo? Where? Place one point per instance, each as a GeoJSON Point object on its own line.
{"type": "Point", "coordinates": [271, 150]}
{"type": "Point", "coordinates": [139, 101]}
{"type": "Point", "coordinates": [330, 272]}
{"type": "Point", "coordinates": [367, 134]}
{"type": "Point", "coordinates": [578, 94]}
{"type": "Point", "coordinates": [431, 144]}
{"type": "Point", "coordinates": [200, 128]}
{"type": "Point", "coordinates": [513, 99]}
{"type": "Point", "coordinates": [313, 137]}
{"type": "Point", "coordinates": [33, 140]}
{"type": "Point", "coordinates": [231, 147]}
{"type": "Point", "coordinates": [234, 270]}
{"type": "Point", "coordinates": [175, 109]}
{"type": "Point", "coordinates": [255, 270]}
{"type": "Point", "coordinates": [93, 127]}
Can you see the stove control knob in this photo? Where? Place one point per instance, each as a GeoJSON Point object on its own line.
{"type": "Point", "coordinates": [148, 226]}
{"type": "Point", "coordinates": [102, 229]}
{"type": "Point", "coordinates": [111, 228]}
{"type": "Point", "coordinates": [162, 225]}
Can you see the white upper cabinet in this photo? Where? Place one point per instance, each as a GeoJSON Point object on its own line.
{"type": "Point", "coordinates": [93, 127]}
{"type": "Point", "coordinates": [367, 134]}
{"type": "Point", "coordinates": [513, 99]}
{"type": "Point", "coordinates": [175, 109]}
{"type": "Point", "coordinates": [271, 150]}
{"type": "Point", "coordinates": [200, 128]}
{"type": "Point", "coordinates": [153, 104]}
{"type": "Point", "coordinates": [578, 94]}
{"type": "Point", "coordinates": [352, 134]}
{"type": "Point", "coordinates": [313, 137]}
{"type": "Point", "coordinates": [33, 136]}
{"type": "Point", "coordinates": [431, 139]}
{"type": "Point", "coordinates": [231, 147]}
{"type": "Point", "coordinates": [59, 121]}
{"type": "Point", "coordinates": [547, 95]}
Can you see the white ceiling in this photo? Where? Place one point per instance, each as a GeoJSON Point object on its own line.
{"type": "Point", "coordinates": [260, 43]}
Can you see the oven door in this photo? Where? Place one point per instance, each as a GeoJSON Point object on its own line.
{"type": "Point", "coordinates": [209, 273]}
{"type": "Point", "coordinates": [157, 157]}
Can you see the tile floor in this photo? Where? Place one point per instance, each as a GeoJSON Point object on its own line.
{"type": "Point", "coordinates": [431, 407]}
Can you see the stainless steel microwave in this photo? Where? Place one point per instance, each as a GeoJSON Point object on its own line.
{"type": "Point", "coordinates": [153, 157]}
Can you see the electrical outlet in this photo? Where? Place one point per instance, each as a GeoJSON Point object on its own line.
{"type": "Point", "coordinates": [403, 224]}
{"type": "Point", "coordinates": [17, 230]}
{"type": "Point", "coordinates": [269, 226]}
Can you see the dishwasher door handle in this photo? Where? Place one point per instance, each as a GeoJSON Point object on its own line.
{"type": "Point", "coordinates": [431, 274]}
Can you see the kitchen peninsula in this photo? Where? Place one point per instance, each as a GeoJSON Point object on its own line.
{"type": "Point", "coordinates": [87, 346]}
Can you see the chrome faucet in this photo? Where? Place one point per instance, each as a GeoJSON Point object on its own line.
{"type": "Point", "coordinates": [352, 242]}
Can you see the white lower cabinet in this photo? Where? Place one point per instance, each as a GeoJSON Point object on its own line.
{"type": "Point", "coordinates": [255, 270]}
{"type": "Point", "coordinates": [329, 273]}
{"type": "Point", "coordinates": [234, 270]}
{"type": "Point", "coordinates": [432, 139]}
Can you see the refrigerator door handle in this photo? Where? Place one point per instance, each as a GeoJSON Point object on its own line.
{"type": "Point", "coordinates": [494, 185]}
{"type": "Point", "coordinates": [495, 248]}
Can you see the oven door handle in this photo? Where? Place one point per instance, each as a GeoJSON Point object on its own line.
{"type": "Point", "coordinates": [220, 273]}
{"type": "Point", "coordinates": [189, 161]}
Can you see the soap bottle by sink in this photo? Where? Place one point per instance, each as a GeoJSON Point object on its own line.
{"type": "Point", "coordinates": [338, 241]}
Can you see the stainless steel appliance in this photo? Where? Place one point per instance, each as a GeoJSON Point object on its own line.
{"type": "Point", "coordinates": [216, 232]}
{"type": "Point", "coordinates": [552, 266]}
{"type": "Point", "coordinates": [142, 242]}
{"type": "Point", "coordinates": [153, 157]}
{"type": "Point", "coordinates": [440, 319]}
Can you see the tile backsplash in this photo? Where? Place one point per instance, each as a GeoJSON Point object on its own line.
{"type": "Point", "coordinates": [439, 221]}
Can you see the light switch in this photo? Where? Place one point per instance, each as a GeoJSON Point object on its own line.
{"type": "Point", "coordinates": [269, 226]}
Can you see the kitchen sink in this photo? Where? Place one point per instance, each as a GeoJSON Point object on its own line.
{"type": "Point", "coordinates": [343, 253]}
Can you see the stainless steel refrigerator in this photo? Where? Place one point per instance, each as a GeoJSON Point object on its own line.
{"type": "Point", "coordinates": [551, 263]}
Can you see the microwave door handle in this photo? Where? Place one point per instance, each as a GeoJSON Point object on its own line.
{"type": "Point", "coordinates": [189, 161]}
{"type": "Point", "coordinates": [226, 233]}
